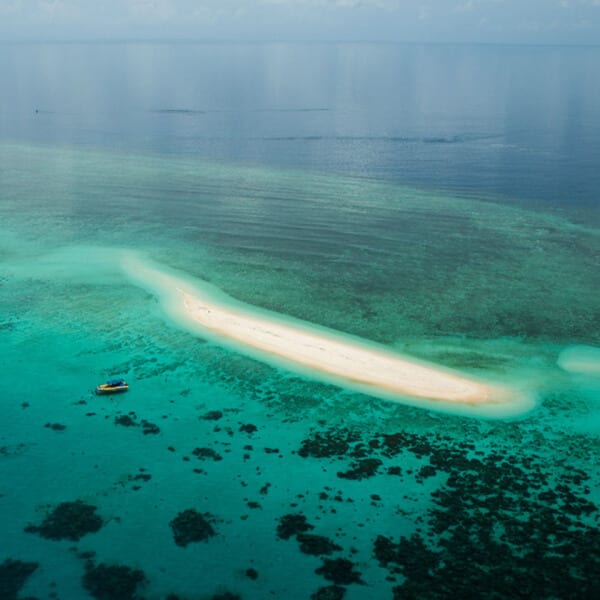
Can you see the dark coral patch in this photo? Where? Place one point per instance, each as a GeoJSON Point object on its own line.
{"type": "Point", "coordinates": [212, 415]}
{"type": "Point", "coordinates": [498, 513]}
{"type": "Point", "coordinates": [55, 426]}
{"type": "Point", "coordinates": [68, 521]}
{"type": "Point", "coordinates": [292, 524]}
{"type": "Point", "coordinates": [149, 428]}
{"type": "Point", "coordinates": [529, 525]}
{"type": "Point", "coordinates": [361, 469]}
{"type": "Point", "coordinates": [316, 544]}
{"type": "Point", "coordinates": [340, 571]}
{"type": "Point", "coordinates": [205, 453]}
{"type": "Point", "coordinates": [125, 421]}
{"type": "Point", "coordinates": [329, 592]}
{"type": "Point", "coordinates": [327, 444]}
{"type": "Point", "coordinates": [411, 556]}
{"type": "Point", "coordinates": [13, 575]}
{"type": "Point", "coordinates": [249, 428]}
{"type": "Point", "coordinates": [112, 582]}
{"type": "Point", "coordinates": [191, 526]}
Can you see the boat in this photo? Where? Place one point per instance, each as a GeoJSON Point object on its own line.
{"type": "Point", "coordinates": [114, 386]}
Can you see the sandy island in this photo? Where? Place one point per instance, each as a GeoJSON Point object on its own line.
{"type": "Point", "coordinates": [341, 358]}
{"type": "Point", "coordinates": [365, 366]}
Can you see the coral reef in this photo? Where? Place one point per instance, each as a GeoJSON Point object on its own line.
{"type": "Point", "coordinates": [292, 524]}
{"type": "Point", "coordinates": [249, 428]}
{"type": "Point", "coordinates": [329, 443]}
{"type": "Point", "coordinates": [329, 592]}
{"type": "Point", "coordinates": [112, 582]}
{"type": "Point", "coordinates": [13, 575]}
{"type": "Point", "coordinates": [204, 453]}
{"type": "Point", "coordinates": [125, 421]}
{"type": "Point", "coordinates": [191, 526]}
{"type": "Point", "coordinates": [361, 469]}
{"type": "Point", "coordinates": [339, 570]}
{"type": "Point", "coordinates": [55, 426]}
{"type": "Point", "coordinates": [316, 544]}
{"type": "Point", "coordinates": [527, 524]}
{"type": "Point", "coordinates": [149, 428]}
{"type": "Point", "coordinates": [212, 415]}
{"type": "Point", "coordinates": [68, 520]}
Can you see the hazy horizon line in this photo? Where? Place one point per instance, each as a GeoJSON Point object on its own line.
{"type": "Point", "coordinates": [169, 40]}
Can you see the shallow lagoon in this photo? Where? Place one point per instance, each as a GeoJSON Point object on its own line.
{"type": "Point", "coordinates": [72, 319]}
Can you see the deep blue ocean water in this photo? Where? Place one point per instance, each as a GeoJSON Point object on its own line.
{"type": "Point", "coordinates": [441, 200]}
{"type": "Point", "coordinates": [526, 117]}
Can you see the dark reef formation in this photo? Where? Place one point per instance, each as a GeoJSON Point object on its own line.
{"type": "Point", "coordinates": [329, 443]}
{"type": "Point", "coordinates": [249, 428]}
{"type": "Point", "coordinates": [329, 592]}
{"type": "Point", "coordinates": [130, 420]}
{"type": "Point", "coordinates": [13, 575]}
{"type": "Point", "coordinates": [340, 571]}
{"type": "Point", "coordinates": [55, 426]}
{"type": "Point", "coordinates": [504, 523]}
{"type": "Point", "coordinates": [206, 453]}
{"type": "Point", "coordinates": [512, 518]}
{"type": "Point", "coordinates": [316, 544]}
{"type": "Point", "coordinates": [125, 421]}
{"type": "Point", "coordinates": [292, 524]}
{"type": "Point", "coordinates": [212, 415]}
{"type": "Point", "coordinates": [191, 526]}
{"type": "Point", "coordinates": [112, 582]}
{"type": "Point", "coordinates": [361, 469]}
{"type": "Point", "coordinates": [68, 521]}
{"type": "Point", "coordinates": [149, 428]}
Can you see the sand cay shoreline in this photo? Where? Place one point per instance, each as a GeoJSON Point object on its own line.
{"type": "Point", "coordinates": [363, 366]}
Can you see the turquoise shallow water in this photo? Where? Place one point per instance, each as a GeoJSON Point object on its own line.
{"type": "Point", "coordinates": [422, 503]}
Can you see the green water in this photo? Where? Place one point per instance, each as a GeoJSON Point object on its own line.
{"type": "Point", "coordinates": [493, 290]}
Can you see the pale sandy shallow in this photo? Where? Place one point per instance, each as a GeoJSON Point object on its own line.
{"type": "Point", "coordinates": [362, 365]}
{"type": "Point", "coordinates": [584, 360]}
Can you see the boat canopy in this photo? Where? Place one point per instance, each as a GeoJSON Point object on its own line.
{"type": "Point", "coordinates": [115, 382]}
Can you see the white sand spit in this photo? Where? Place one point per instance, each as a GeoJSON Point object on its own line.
{"type": "Point", "coordinates": [341, 358]}
{"type": "Point", "coordinates": [349, 361]}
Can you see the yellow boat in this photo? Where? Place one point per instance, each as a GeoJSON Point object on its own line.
{"type": "Point", "coordinates": [114, 386]}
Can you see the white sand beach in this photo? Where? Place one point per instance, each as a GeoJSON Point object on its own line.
{"type": "Point", "coordinates": [335, 357]}
{"type": "Point", "coordinates": [362, 365]}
